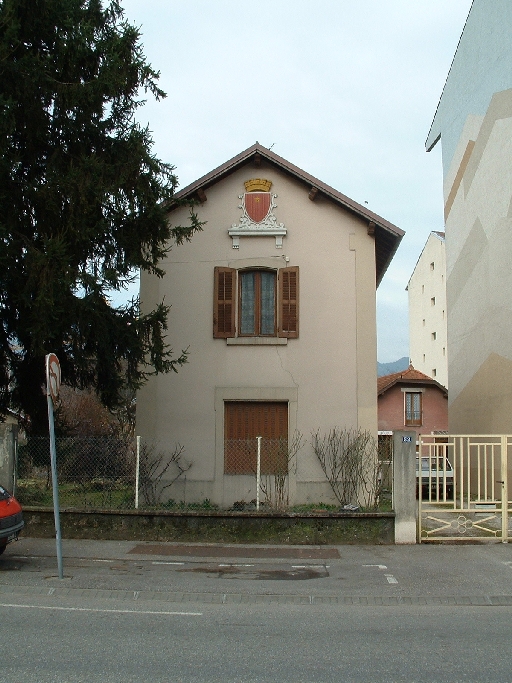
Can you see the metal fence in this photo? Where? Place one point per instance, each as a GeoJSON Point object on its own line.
{"type": "Point", "coordinates": [114, 474]}
{"type": "Point", "coordinates": [92, 472]}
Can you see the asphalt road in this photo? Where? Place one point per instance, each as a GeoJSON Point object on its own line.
{"type": "Point", "coordinates": [197, 614]}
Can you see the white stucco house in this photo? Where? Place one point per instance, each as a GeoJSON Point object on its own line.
{"type": "Point", "coordinates": [473, 123]}
{"type": "Point", "coordinates": [275, 300]}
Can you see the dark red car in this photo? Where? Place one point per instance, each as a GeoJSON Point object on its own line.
{"type": "Point", "coordinates": [11, 519]}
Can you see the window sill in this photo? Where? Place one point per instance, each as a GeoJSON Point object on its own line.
{"type": "Point", "coordinates": [257, 341]}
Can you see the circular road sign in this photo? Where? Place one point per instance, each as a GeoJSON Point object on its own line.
{"type": "Point", "coordinates": [52, 375]}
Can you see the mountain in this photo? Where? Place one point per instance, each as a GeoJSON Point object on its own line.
{"type": "Point", "coordinates": [395, 366]}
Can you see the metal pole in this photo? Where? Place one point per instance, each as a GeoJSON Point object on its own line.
{"type": "Point", "coordinates": [137, 467]}
{"type": "Point", "coordinates": [258, 473]}
{"type": "Point", "coordinates": [53, 460]}
{"type": "Point", "coordinates": [504, 489]}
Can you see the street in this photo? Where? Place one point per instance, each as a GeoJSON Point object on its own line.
{"type": "Point", "coordinates": [418, 613]}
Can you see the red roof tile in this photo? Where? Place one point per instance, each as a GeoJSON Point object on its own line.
{"type": "Point", "coordinates": [409, 376]}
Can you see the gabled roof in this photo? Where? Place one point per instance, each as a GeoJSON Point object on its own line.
{"type": "Point", "coordinates": [387, 235]}
{"type": "Point", "coordinates": [411, 376]}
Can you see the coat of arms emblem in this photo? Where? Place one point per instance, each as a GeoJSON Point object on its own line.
{"type": "Point", "coordinates": [258, 218]}
{"type": "Point", "coordinates": [257, 199]}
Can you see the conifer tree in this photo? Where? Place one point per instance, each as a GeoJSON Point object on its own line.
{"type": "Point", "coordinates": [83, 203]}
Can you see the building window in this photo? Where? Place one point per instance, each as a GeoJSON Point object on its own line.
{"type": "Point", "coordinates": [432, 265]}
{"type": "Point", "coordinates": [434, 372]}
{"type": "Point", "coordinates": [413, 408]}
{"type": "Point", "coordinates": [433, 301]}
{"type": "Point", "coordinates": [434, 336]}
{"type": "Point", "coordinates": [256, 303]}
{"type": "Point", "coordinates": [444, 350]}
{"type": "Point", "coordinates": [246, 420]}
{"type": "Point", "coordinates": [423, 322]}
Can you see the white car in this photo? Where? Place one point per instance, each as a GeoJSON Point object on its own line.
{"type": "Point", "coordinates": [435, 471]}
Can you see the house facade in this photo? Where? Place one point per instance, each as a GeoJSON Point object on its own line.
{"type": "Point", "coordinates": [473, 122]}
{"type": "Point", "coordinates": [412, 401]}
{"type": "Point", "coordinates": [275, 302]}
{"type": "Point", "coordinates": [427, 311]}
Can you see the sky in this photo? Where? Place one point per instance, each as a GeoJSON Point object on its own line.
{"type": "Point", "coordinates": [345, 90]}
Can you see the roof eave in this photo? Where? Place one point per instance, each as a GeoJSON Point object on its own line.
{"type": "Point", "coordinates": [387, 235]}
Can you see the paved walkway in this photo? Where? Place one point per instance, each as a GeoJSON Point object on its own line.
{"type": "Point", "coordinates": [253, 574]}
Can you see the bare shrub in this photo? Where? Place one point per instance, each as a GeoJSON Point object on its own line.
{"type": "Point", "coordinates": [350, 463]}
{"type": "Point", "coordinates": [158, 471]}
{"type": "Point", "coordinates": [280, 458]}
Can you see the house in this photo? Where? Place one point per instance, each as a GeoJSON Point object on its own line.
{"type": "Point", "coordinates": [473, 122]}
{"type": "Point", "coordinates": [275, 301]}
{"type": "Point", "coordinates": [427, 311]}
{"type": "Point", "coordinates": [413, 401]}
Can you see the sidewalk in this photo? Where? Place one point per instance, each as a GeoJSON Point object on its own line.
{"type": "Point", "coordinates": [220, 573]}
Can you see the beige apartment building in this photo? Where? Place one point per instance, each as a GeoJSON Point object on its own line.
{"type": "Point", "coordinates": [427, 311]}
{"type": "Point", "coordinates": [473, 121]}
{"type": "Point", "coordinates": [275, 301]}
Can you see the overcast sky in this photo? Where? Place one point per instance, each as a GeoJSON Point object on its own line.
{"type": "Point", "coordinates": [345, 90]}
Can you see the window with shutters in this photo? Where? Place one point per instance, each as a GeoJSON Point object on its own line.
{"type": "Point", "coordinates": [246, 420]}
{"type": "Point", "coordinates": [413, 408]}
{"type": "Point", "coordinates": [256, 303]}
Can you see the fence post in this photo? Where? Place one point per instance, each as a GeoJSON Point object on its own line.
{"type": "Point", "coordinates": [504, 490]}
{"type": "Point", "coordinates": [8, 442]}
{"type": "Point", "coordinates": [404, 486]}
{"type": "Point", "coordinates": [137, 468]}
{"type": "Point", "coordinates": [258, 473]}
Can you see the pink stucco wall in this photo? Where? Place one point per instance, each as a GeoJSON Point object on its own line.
{"type": "Point", "coordinates": [435, 410]}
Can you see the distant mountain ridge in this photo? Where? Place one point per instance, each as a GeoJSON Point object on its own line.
{"type": "Point", "coordinates": [395, 366]}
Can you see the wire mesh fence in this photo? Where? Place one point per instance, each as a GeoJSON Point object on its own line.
{"type": "Point", "coordinates": [268, 461]}
{"type": "Point", "coordinates": [93, 472]}
{"type": "Point", "coordinates": [114, 474]}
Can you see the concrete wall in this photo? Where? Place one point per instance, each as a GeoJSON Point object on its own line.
{"type": "Point", "coordinates": [318, 529]}
{"type": "Point", "coordinates": [327, 375]}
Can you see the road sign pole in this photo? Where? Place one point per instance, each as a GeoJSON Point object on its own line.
{"type": "Point", "coordinates": [52, 392]}
{"type": "Point", "coordinates": [56, 512]}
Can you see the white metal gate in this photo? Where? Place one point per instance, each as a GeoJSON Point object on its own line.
{"type": "Point", "coordinates": [462, 487]}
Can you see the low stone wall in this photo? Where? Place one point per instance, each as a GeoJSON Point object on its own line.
{"type": "Point", "coordinates": [215, 527]}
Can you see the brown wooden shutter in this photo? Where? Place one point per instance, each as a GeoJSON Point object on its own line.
{"type": "Point", "coordinates": [289, 302]}
{"type": "Point", "coordinates": [243, 422]}
{"type": "Point", "coordinates": [224, 298]}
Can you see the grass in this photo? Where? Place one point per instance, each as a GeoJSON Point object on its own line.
{"type": "Point", "coordinates": [94, 494]}
{"type": "Point", "coordinates": [112, 495]}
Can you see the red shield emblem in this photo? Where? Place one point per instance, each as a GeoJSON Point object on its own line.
{"type": "Point", "coordinates": [257, 205]}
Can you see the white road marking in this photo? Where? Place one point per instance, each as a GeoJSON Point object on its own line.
{"type": "Point", "coordinates": [380, 566]}
{"type": "Point", "coordinates": [310, 566]}
{"type": "Point", "coordinates": [390, 578]}
{"type": "Point", "coordinates": [173, 563]}
{"type": "Point", "coordinates": [235, 565]}
{"type": "Point", "coordinates": [90, 609]}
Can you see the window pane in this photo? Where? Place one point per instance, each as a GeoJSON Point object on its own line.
{"type": "Point", "coordinates": [268, 297]}
{"type": "Point", "coordinates": [247, 303]}
{"type": "Point", "coordinates": [416, 413]}
{"type": "Point", "coordinates": [413, 408]}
